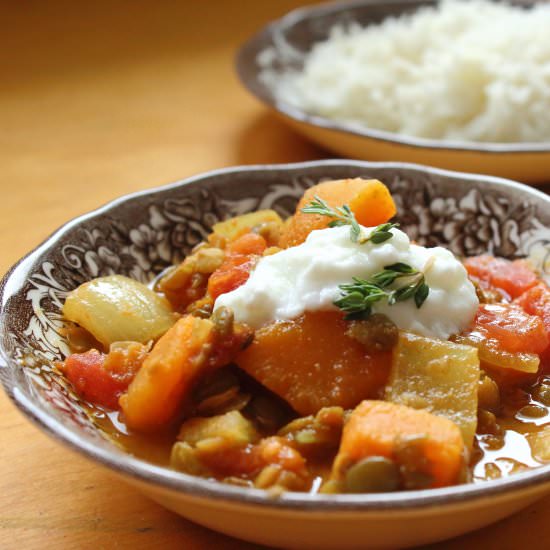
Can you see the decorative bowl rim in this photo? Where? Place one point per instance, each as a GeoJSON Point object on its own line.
{"type": "Point", "coordinates": [249, 79]}
{"type": "Point", "coordinates": [191, 486]}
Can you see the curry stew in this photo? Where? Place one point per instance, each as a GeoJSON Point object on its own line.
{"type": "Point", "coordinates": [336, 399]}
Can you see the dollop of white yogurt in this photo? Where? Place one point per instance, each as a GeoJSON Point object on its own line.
{"type": "Point", "coordinates": [306, 278]}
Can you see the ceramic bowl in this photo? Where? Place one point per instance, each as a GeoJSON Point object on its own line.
{"type": "Point", "coordinates": [141, 234]}
{"type": "Point", "coordinates": [290, 37]}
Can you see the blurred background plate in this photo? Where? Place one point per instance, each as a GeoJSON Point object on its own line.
{"type": "Point", "coordinates": [293, 35]}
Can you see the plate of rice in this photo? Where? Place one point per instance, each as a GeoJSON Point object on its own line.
{"type": "Point", "coordinates": [457, 84]}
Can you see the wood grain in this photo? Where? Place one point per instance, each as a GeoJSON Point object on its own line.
{"type": "Point", "coordinates": [98, 99]}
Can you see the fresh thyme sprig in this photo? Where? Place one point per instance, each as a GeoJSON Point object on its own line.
{"type": "Point", "coordinates": [381, 233]}
{"type": "Point", "coordinates": [359, 297]}
{"type": "Point", "coordinates": [342, 215]}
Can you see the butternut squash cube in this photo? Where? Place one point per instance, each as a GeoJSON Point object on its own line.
{"type": "Point", "coordinates": [382, 429]}
{"type": "Point", "coordinates": [312, 363]}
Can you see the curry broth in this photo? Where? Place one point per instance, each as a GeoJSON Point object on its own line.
{"type": "Point", "coordinates": [493, 456]}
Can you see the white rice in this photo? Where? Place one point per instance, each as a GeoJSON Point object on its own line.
{"type": "Point", "coordinates": [464, 70]}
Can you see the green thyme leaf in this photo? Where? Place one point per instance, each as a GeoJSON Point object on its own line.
{"type": "Point", "coordinates": [337, 223]}
{"type": "Point", "coordinates": [400, 267]}
{"type": "Point", "coordinates": [342, 215]}
{"type": "Point", "coordinates": [421, 294]}
{"type": "Point", "coordinates": [319, 206]}
{"type": "Point", "coordinates": [404, 293]}
{"type": "Point", "coordinates": [385, 278]}
{"type": "Point", "coordinates": [380, 237]}
{"type": "Point", "coordinates": [398, 282]}
{"type": "Point", "coordinates": [380, 233]}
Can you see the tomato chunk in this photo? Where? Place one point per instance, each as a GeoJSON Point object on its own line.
{"type": "Point", "coordinates": [240, 259]}
{"type": "Point", "coordinates": [512, 277]}
{"type": "Point", "coordinates": [536, 301]}
{"type": "Point", "coordinates": [515, 330]}
{"type": "Point", "coordinates": [102, 378]}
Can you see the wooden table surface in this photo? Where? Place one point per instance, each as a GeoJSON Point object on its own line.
{"type": "Point", "coordinates": [98, 99]}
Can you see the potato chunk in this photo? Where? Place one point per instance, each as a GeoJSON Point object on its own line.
{"type": "Point", "coordinates": [232, 228]}
{"type": "Point", "coordinates": [116, 308]}
{"type": "Point", "coordinates": [423, 446]}
{"type": "Point", "coordinates": [232, 427]}
{"type": "Point", "coordinates": [441, 377]}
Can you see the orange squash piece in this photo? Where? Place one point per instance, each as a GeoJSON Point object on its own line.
{"type": "Point", "coordinates": [167, 374]}
{"type": "Point", "coordinates": [369, 200]}
{"type": "Point", "coordinates": [376, 428]}
{"type": "Point", "coordinates": [311, 363]}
